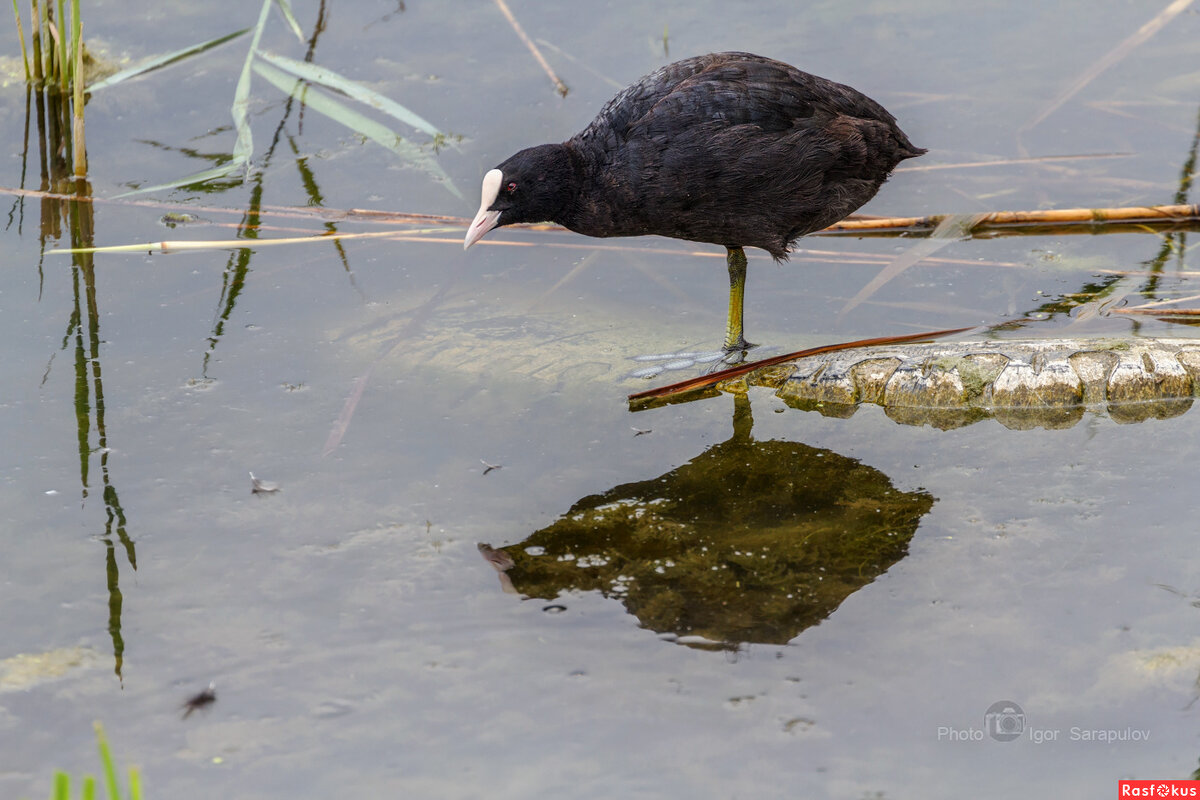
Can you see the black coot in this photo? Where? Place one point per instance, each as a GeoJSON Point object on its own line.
{"type": "Point", "coordinates": [728, 148]}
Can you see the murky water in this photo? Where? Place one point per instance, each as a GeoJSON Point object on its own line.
{"type": "Point", "coordinates": [725, 598]}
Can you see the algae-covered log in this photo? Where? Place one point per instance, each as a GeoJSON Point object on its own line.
{"type": "Point", "coordinates": [1021, 383]}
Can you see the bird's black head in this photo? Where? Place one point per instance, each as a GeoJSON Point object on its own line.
{"type": "Point", "coordinates": [535, 185]}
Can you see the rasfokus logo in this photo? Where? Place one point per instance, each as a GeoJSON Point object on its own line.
{"type": "Point", "coordinates": [1170, 788]}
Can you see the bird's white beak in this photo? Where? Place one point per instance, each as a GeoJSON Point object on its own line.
{"type": "Point", "coordinates": [485, 220]}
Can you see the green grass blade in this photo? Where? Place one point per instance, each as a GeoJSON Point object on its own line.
{"type": "Point", "coordinates": [162, 61]}
{"type": "Point", "coordinates": [62, 786]}
{"type": "Point", "coordinates": [21, 35]}
{"type": "Point", "coordinates": [110, 771]}
{"type": "Point", "coordinates": [286, 8]}
{"type": "Point", "coordinates": [376, 132]}
{"type": "Point", "coordinates": [223, 171]}
{"type": "Point", "coordinates": [244, 147]}
{"type": "Point", "coordinates": [64, 66]}
{"type": "Point", "coordinates": [89, 788]}
{"type": "Point", "coordinates": [76, 46]}
{"type": "Point", "coordinates": [332, 80]}
{"type": "Point", "coordinates": [78, 140]}
{"type": "Point", "coordinates": [135, 784]}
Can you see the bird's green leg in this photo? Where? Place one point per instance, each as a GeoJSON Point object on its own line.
{"type": "Point", "coordinates": [736, 259]}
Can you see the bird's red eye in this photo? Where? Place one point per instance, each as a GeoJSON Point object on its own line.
{"type": "Point", "coordinates": [512, 187]}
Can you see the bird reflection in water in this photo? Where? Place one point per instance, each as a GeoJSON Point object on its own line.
{"type": "Point", "coordinates": [748, 542]}
{"type": "Point", "coordinates": [502, 562]}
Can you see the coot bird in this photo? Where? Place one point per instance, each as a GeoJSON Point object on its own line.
{"type": "Point", "coordinates": [728, 148]}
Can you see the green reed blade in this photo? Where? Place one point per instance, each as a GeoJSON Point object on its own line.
{"type": "Point", "coordinates": [286, 8]}
{"type": "Point", "coordinates": [376, 132]}
{"type": "Point", "coordinates": [332, 80]}
{"type": "Point", "coordinates": [62, 786]}
{"type": "Point", "coordinates": [223, 171]}
{"type": "Point", "coordinates": [162, 61]}
{"type": "Point", "coordinates": [243, 148]}
{"type": "Point", "coordinates": [64, 68]}
{"type": "Point", "coordinates": [110, 771]}
{"type": "Point", "coordinates": [21, 36]}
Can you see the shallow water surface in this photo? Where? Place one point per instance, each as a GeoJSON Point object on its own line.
{"type": "Point", "coordinates": [482, 573]}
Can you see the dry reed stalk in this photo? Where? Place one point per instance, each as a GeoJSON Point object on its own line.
{"type": "Point", "coordinates": [559, 86]}
{"type": "Point", "coordinates": [1000, 221]}
{"type": "Point", "coordinates": [1112, 57]}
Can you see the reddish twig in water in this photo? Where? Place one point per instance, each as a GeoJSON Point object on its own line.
{"type": "Point", "coordinates": [1158, 312]}
{"type": "Point", "coordinates": [705, 381]}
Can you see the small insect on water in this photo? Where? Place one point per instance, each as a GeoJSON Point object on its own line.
{"type": "Point", "coordinates": [200, 700]}
{"type": "Point", "coordinates": [259, 486]}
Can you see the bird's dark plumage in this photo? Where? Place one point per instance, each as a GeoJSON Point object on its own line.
{"type": "Point", "coordinates": [728, 148]}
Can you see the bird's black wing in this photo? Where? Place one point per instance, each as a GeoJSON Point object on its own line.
{"type": "Point", "coordinates": [726, 88]}
{"type": "Point", "coordinates": [733, 149]}
{"type": "Point", "coordinates": [632, 103]}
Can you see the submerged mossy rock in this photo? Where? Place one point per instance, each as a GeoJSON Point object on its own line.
{"type": "Point", "coordinates": [748, 542]}
{"type": "Point", "coordinates": [22, 671]}
{"type": "Point", "coordinates": [1020, 383]}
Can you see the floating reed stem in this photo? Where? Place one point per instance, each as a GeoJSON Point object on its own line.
{"type": "Point", "coordinates": [1014, 221]}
